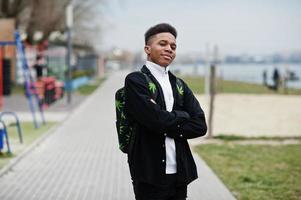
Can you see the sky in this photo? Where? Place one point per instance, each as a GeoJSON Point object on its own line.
{"type": "Point", "coordinates": [235, 26]}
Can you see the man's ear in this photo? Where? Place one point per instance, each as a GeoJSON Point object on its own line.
{"type": "Point", "coordinates": [147, 49]}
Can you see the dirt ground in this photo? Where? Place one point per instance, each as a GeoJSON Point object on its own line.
{"type": "Point", "coordinates": [255, 115]}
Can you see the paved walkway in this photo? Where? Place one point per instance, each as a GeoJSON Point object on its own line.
{"type": "Point", "coordinates": [57, 111]}
{"type": "Point", "coordinates": [80, 160]}
{"type": "Point", "coordinates": [19, 103]}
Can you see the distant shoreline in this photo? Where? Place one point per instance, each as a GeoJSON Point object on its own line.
{"type": "Point", "coordinates": [249, 73]}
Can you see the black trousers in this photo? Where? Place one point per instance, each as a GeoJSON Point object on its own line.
{"type": "Point", "coordinates": [145, 191]}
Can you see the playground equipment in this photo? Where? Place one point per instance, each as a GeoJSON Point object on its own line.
{"type": "Point", "coordinates": [17, 123]}
{"type": "Point", "coordinates": [30, 89]}
{"type": "Point", "coordinates": [3, 133]}
{"type": "Point", "coordinates": [3, 130]}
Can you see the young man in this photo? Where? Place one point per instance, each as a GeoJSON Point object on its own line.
{"type": "Point", "coordinates": [160, 160]}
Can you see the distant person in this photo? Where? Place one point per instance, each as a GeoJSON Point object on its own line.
{"type": "Point", "coordinates": [286, 78]}
{"type": "Point", "coordinates": [265, 76]}
{"type": "Point", "coordinates": [39, 67]}
{"type": "Point", "coordinates": [276, 79]}
{"type": "Point", "coordinates": [160, 160]}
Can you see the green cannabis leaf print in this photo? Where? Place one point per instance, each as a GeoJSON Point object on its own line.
{"type": "Point", "coordinates": [152, 87]}
{"type": "Point", "coordinates": [118, 105]}
{"type": "Point", "coordinates": [180, 90]}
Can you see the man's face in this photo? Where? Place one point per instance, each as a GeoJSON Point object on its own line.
{"type": "Point", "coordinates": [161, 49]}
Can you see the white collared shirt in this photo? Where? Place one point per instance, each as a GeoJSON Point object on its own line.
{"type": "Point", "coordinates": [161, 75]}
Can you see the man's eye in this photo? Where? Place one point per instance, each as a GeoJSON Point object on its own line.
{"type": "Point", "coordinates": [162, 42]}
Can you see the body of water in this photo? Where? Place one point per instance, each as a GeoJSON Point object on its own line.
{"type": "Point", "coordinates": [251, 73]}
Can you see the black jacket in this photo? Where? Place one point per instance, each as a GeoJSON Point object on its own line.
{"type": "Point", "coordinates": [153, 123]}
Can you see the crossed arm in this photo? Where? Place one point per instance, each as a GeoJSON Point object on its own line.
{"type": "Point", "coordinates": [187, 123]}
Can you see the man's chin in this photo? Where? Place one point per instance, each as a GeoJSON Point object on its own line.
{"type": "Point", "coordinates": [165, 63]}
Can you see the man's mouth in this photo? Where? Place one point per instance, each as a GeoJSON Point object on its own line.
{"type": "Point", "coordinates": [168, 57]}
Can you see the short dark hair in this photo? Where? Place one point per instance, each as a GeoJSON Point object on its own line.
{"type": "Point", "coordinates": [159, 28]}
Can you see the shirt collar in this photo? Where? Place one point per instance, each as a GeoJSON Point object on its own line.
{"type": "Point", "coordinates": [157, 69]}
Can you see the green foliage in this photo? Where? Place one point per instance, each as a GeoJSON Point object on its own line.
{"type": "Point", "coordinates": [80, 73]}
{"type": "Point", "coordinates": [90, 87]}
{"type": "Point", "coordinates": [256, 171]}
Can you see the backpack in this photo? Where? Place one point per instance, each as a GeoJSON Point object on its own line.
{"type": "Point", "coordinates": [125, 129]}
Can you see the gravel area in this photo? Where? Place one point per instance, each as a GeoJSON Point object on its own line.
{"type": "Point", "coordinates": [255, 115]}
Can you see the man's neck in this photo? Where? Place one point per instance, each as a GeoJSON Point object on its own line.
{"type": "Point", "coordinates": [156, 67]}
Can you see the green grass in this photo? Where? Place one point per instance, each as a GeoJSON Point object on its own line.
{"type": "Point", "coordinates": [17, 89]}
{"type": "Point", "coordinates": [256, 171]}
{"type": "Point", "coordinates": [30, 134]}
{"type": "Point", "coordinates": [196, 83]}
{"type": "Point", "coordinates": [237, 138]}
{"type": "Point", "coordinates": [90, 87]}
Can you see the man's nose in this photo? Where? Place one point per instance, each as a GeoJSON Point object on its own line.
{"type": "Point", "coordinates": [168, 49]}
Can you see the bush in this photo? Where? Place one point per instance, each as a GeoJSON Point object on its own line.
{"type": "Point", "coordinates": [81, 73]}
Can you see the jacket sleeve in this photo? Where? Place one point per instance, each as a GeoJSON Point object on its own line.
{"type": "Point", "coordinates": [145, 111]}
{"type": "Point", "coordinates": [195, 126]}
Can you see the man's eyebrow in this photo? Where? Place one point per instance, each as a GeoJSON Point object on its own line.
{"type": "Point", "coordinates": [163, 40]}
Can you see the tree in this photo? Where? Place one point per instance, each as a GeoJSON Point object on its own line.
{"type": "Point", "coordinates": [46, 17]}
{"type": "Point", "coordinates": [13, 9]}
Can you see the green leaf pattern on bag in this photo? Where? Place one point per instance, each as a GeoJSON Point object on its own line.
{"type": "Point", "coordinates": [118, 105]}
{"type": "Point", "coordinates": [122, 116]}
{"type": "Point", "coordinates": [121, 130]}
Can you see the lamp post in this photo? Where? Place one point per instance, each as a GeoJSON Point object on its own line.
{"type": "Point", "coordinates": [212, 90]}
{"type": "Point", "coordinates": [207, 70]}
{"type": "Point", "coordinates": [69, 23]}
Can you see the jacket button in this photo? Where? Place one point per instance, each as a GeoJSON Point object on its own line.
{"type": "Point", "coordinates": [181, 135]}
{"type": "Point", "coordinates": [163, 145]}
{"type": "Point", "coordinates": [163, 160]}
{"type": "Point", "coordinates": [165, 134]}
{"type": "Point", "coordinates": [179, 126]}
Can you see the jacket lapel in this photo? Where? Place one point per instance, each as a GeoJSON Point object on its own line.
{"type": "Point", "coordinates": [173, 82]}
{"type": "Point", "coordinates": [145, 70]}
